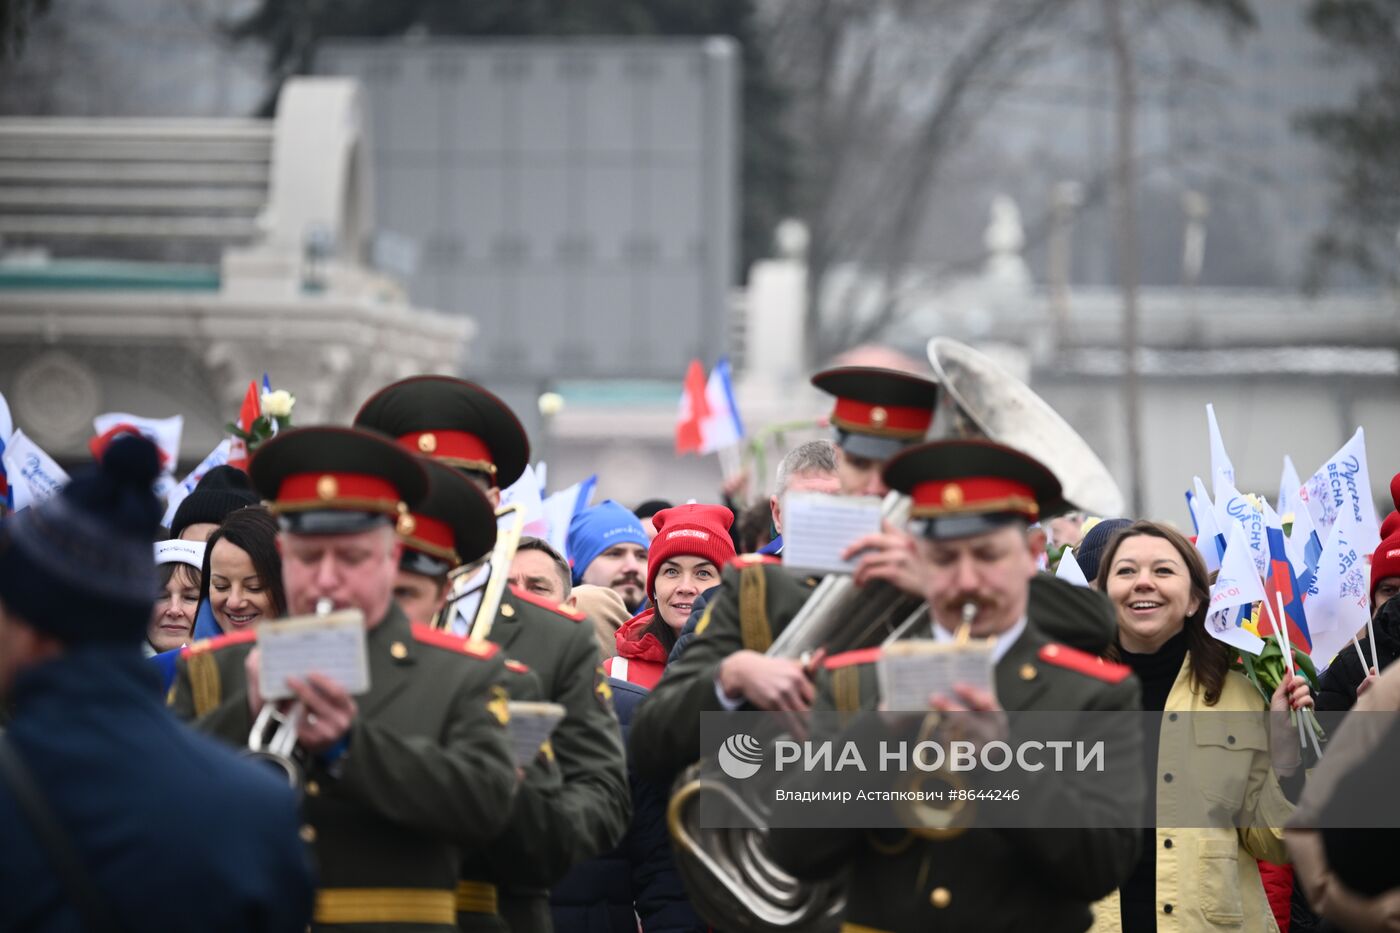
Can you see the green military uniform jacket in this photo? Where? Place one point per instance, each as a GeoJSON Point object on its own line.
{"type": "Point", "coordinates": [579, 807]}
{"type": "Point", "coordinates": [983, 879]}
{"type": "Point", "coordinates": [427, 771]}
{"type": "Point", "coordinates": [756, 600]}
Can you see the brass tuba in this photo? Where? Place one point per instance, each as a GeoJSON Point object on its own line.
{"type": "Point", "coordinates": [732, 881]}
{"type": "Point", "coordinates": [979, 398]}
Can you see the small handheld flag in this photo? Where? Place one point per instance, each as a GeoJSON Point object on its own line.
{"type": "Point", "coordinates": [1222, 471]}
{"type": "Point", "coordinates": [1236, 589]}
{"type": "Point", "coordinates": [250, 412]}
{"type": "Point", "coordinates": [1069, 569]}
{"type": "Point", "coordinates": [1344, 483]}
{"type": "Point", "coordinates": [693, 412]}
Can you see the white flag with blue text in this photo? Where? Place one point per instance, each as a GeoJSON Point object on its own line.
{"type": "Point", "coordinates": [1236, 585]}
{"type": "Point", "coordinates": [1342, 604]}
{"type": "Point", "coordinates": [33, 475]}
{"type": "Point", "coordinates": [1344, 483]}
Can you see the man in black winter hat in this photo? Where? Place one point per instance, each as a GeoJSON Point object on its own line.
{"type": "Point", "coordinates": [223, 489]}
{"type": "Point", "coordinates": [114, 816]}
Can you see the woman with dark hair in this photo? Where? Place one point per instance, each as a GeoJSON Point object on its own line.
{"type": "Point", "coordinates": [691, 547]}
{"type": "Point", "coordinates": [243, 571]}
{"type": "Point", "coordinates": [1194, 878]}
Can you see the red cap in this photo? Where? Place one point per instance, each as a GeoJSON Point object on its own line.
{"type": "Point", "coordinates": [689, 530]}
{"type": "Point", "coordinates": [1385, 562]}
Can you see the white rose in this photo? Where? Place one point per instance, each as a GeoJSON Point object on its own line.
{"type": "Point", "coordinates": [278, 404]}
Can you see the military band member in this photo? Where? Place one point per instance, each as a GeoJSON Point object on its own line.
{"type": "Point", "coordinates": [400, 778]}
{"type": "Point", "coordinates": [464, 426]}
{"type": "Point", "coordinates": [455, 524]}
{"type": "Point", "coordinates": [972, 504]}
{"type": "Point", "coordinates": [877, 414]}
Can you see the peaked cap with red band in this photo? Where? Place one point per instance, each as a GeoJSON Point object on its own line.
{"type": "Point", "coordinates": [879, 412]}
{"type": "Point", "coordinates": [452, 420]}
{"type": "Point", "coordinates": [965, 487]}
{"type": "Point", "coordinates": [453, 525]}
{"type": "Point", "coordinates": [325, 480]}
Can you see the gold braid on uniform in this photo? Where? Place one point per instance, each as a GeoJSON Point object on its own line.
{"type": "Point", "coordinates": [753, 609]}
{"type": "Point", "coordinates": [204, 682]}
{"type": "Point", "coordinates": [845, 687]}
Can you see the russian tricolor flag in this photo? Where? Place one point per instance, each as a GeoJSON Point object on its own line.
{"type": "Point", "coordinates": [708, 420]}
{"type": "Point", "coordinates": [1282, 580]}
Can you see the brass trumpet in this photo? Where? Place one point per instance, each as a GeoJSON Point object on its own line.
{"type": "Point", "coordinates": [273, 739]}
{"type": "Point", "coordinates": [499, 561]}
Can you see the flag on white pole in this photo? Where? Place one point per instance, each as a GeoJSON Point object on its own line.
{"type": "Point", "coordinates": [163, 432]}
{"type": "Point", "coordinates": [1237, 585]}
{"type": "Point", "coordinates": [1222, 471]}
{"type": "Point", "coordinates": [216, 457]}
{"type": "Point", "coordinates": [1231, 507]}
{"type": "Point", "coordinates": [1341, 606]}
{"type": "Point", "coordinates": [1069, 569]}
{"type": "Point", "coordinates": [32, 474]}
{"type": "Point", "coordinates": [720, 426]}
{"type": "Point", "coordinates": [1210, 540]}
{"type": "Point", "coordinates": [1344, 483]}
{"type": "Point", "coordinates": [560, 509]}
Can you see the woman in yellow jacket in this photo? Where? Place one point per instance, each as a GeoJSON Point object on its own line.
{"type": "Point", "coordinates": [1196, 879]}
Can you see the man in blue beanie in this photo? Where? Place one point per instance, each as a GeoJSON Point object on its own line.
{"type": "Point", "coordinates": [608, 547]}
{"type": "Point", "coordinates": [114, 816]}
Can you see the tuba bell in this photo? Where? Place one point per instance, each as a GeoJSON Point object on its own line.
{"type": "Point", "coordinates": [979, 398]}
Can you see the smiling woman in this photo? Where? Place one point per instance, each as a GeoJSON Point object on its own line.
{"type": "Point", "coordinates": [691, 546]}
{"type": "Point", "coordinates": [177, 599]}
{"type": "Point", "coordinates": [1159, 588]}
{"type": "Point", "coordinates": [242, 570]}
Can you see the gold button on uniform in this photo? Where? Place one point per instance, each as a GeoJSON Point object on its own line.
{"type": "Point", "coordinates": [313, 790]}
{"type": "Point", "coordinates": [427, 442]}
{"type": "Point", "coordinates": [940, 898]}
{"type": "Point", "coordinates": [1028, 672]}
{"type": "Point", "coordinates": [507, 610]}
{"type": "Point", "coordinates": [308, 834]}
{"type": "Point", "coordinates": [399, 650]}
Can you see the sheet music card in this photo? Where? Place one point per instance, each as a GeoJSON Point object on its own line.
{"type": "Point", "coordinates": [818, 528]}
{"type": "Point", "coordinates": [331, 645]}
{"type": "Point", "coordinates": [910, 671]}
{"type": "Point", "coordinates": [531, 724]}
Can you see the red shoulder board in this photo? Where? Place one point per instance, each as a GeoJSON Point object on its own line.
{"type": "Point", "coordinates": [515, 667]}
{"type": "Point", "coordinates": [222, 641]}
{"type": "Point", "coordinates": [747, 560]}
{"type": "Point", "coordinates": [1081, 662]}
{"type": "Point", "coordinates": [563, 609]}
{"type": "Point", "coordinates": [849, 658]}
{"type": "Point", "coordinates": [438, 638]}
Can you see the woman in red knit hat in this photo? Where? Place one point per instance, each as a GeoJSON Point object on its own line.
{"type": "Point", "coordinates": [691, 547]}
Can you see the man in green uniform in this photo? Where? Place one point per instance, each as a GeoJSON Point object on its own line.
{"type": "Point", "coordinates": [400, 778]}
{"type": "Point", "coordinates": [972, 504]}
{"type": "Point", "coordinates": [463, 425]}
{"type": "Point", "coordinates": [877, 414]}
{"type": "Point", "coordinates": [455, 524]}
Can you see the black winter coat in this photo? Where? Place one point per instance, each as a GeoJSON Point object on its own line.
{"type": "Point", "coordinates": [1337, 690]}
{"type": "Point", "coordinates": [601, 894]}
